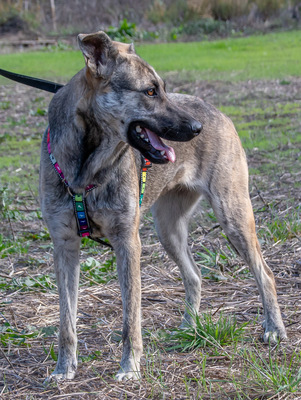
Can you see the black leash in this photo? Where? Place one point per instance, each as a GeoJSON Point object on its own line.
{"type": "Point", "coordinates": [37, 83]}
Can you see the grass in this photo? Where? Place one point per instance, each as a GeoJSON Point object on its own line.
{"type": "Point", "coordinates": [204, 331]}
{"type": "Point", "coordinates": [10, 336]}
{"type": "Point", "coordinates": [270, 56]}
{"type": "Point", "coordinates": [268, 127]}
{"type": "Point", "coordinates": [280, 372]}
{"type": "Point", "coordinates": [282, 228]}
{"type": "Point", "coordinates": [222, 356]}
{"type": "Point", "coordinates": [94, 272]}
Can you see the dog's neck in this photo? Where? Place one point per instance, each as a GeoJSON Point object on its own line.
{"type": "Point", "coordinates": [84, 146]}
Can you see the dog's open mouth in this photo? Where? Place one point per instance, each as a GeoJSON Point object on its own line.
{"type": "Point", "coordinates": [150, 144]}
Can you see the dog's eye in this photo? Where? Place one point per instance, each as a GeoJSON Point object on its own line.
{"type": "Point", "coordinates": [151, 92]}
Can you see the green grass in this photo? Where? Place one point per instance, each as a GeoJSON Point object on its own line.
{"type": "Point", "coordinates": [271, 56]}
{"type": "Point", "coordinates": [10, 336]}
{"type": "Point", "coordinates": [280, 372]}
{"type": "Point", "coordinates": [224, 360]}
{"type": "Point", "coordinates": [205, 332]}
{"type": "Point", "coordinates": [8, 247]}
{"type": "Point", "coordinates": [39, 283]}
{"type": "Point", "coordinates": [93, 272]}
{"type": "Point", "coordinates": [267, 127]}
{"type": "Point", "coordinates": [282, 228]}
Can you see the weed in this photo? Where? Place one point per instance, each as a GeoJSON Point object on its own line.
{"type": "Point", "coordinates": [39, 112]}
{"type": "Point", "coordinates": [93, 356]}
{"type": "Point", "coordinates": [280, 372]}
{"type": "Point", "coordinates": [11, 247]}
{"type": "Point", "coordinates": [43, 235]}
{"type": "Point", "coordinates": [96, 273]}
{"type": "Point", "coordinates": [4, 105]}
{"type": "Point", "coordinates": [213, 261]}
{"type": "Point", "coordinates": [282, 228]}
{"type": "Point", "coordinates": [51, 352]}
{"type": "Point", "coordinates": [205, 332]}
{"type": "Point", "coordinates": [41, 283]}
{"type": "Point", "coordinates": [152, 372]}
{"type": "Point", "coordinates": [10, 336]}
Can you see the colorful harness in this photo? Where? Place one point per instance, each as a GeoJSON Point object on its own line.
{"type": "Point", "coordinates": [79, 204]}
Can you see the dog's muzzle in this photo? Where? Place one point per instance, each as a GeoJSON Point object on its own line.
{"type": "Point", "coordinates": [151, 145]}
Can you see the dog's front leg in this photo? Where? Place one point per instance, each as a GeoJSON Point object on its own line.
{"type": "Point", "coordinates": [128, 251]}
{"type": "Point", "coordinates": [66, 262]}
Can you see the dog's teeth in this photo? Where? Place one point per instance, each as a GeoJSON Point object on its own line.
{"type": "Point", "coordinates": [162, 152]}
{"type": "Point", "coordinates": [138, 128]}
{"type": "Point", "coordinates": [147, 140]}
{"type": "Point", "coordinates": [142, 136]}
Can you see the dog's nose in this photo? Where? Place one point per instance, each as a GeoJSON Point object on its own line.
{"type": "Point", "coordinates": [196, 127]}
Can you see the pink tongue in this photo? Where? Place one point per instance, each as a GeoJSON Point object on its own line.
{"type": "Point", "coordinates": [157, 143]}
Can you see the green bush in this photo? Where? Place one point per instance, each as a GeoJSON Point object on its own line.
{"type": "Point", "coordinates": [125, 32]}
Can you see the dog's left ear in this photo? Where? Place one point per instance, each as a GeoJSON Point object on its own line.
{"type": "Point", "coordinates": [132, 49]}
{"type": "Point", "coordinates": [99, 52]}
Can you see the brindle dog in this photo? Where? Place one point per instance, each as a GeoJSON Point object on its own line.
{"type": "Point", "coordinates": [110, 113]}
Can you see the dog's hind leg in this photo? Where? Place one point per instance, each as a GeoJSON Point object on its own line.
{"type": "Point", "coordinates": [171, 213]}
{"type": "Point", "coordinates": [233, 209]}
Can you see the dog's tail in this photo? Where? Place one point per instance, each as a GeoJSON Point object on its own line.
{"type": "Point", "coordinates": [37, 83]}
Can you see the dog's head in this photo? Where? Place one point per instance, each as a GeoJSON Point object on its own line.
{"type": "Point", "coordinates": [130, 98]}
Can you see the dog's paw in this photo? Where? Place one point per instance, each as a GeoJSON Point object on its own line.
{"type": "Point", "coordinates": [273, 334]}
{"type": "Point", "coordinates": [59, 376]}
{"type": "Point", "coordinates": [274, 337]}
{"type": "Point", "coordinates": [130, 375]}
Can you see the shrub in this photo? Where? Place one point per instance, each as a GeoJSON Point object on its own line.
{"type": "Point", "coordinates": [227, 9]}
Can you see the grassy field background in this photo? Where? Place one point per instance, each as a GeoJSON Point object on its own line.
{"type": "Point", "coordinates": [257, 82]}
{"type": "Point", "coordinates": [270, 56]}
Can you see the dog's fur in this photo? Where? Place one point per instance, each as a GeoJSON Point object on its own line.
{"type": "Point", "coordinates": [92, 129]}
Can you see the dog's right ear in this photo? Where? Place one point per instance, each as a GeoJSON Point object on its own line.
{"type": "Point", "coordinates": [99, 52]}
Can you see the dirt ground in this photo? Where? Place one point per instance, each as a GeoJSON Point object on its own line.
{"type": "Point", "coordinates": [227, 286]}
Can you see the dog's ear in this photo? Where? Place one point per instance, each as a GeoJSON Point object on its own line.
{"type": "Point", "coordinates": [99, 52]}
{"type": "Point", "coordinates": [132, 49]}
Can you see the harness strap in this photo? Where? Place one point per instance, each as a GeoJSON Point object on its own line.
{"type": "Point", "coordinates": [79, 204]}
{"type": "Point", "coordinates": [146, 164]}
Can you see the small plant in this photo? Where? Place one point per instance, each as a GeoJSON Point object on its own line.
{"type": "Point", "coordinates": [205, 332]}
{"type": "Point", "coordinates": [11, 247]}
{"type": "Point", "coordinates": [51, 352]}
{"type": "Point", "coordinates": [42, 283]}
{"type": "Point", "coordinates": [11, 336]}
{"type": "Point", "coordinates": [6, 201]}
{"type": "Point", "coordinates": [214, 262]}
{"type": "Point", "coordinates": [39, 112]}
{"type": "Point", "coordinates": [282, 228]}
{"type": "Point", "coordinates": [95, 273]}
{"type": "Point", "coordinates": [125, 32]}
{"type": "Point", "coordinates": [282, 373]}
{"type": "Point", "coordinates": [4, 105]}
{"type": "Point", "coordinates": [96, 354]}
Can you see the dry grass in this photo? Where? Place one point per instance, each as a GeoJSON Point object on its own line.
{"type": "Point", "coordinates": [201, 374]}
